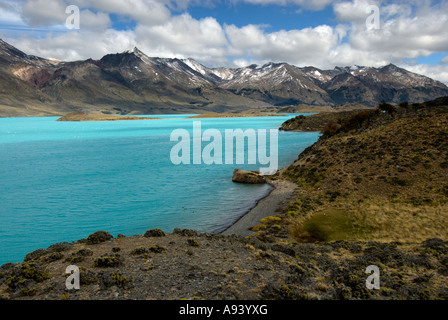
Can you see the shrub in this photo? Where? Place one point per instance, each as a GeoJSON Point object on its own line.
{"type": "Point", "coordinates": [154, 233]}
{"type": "Point", "coordinates": [270, 219]}
{"type": "Point", "coordinates": [386, 107]}
{"type": "Point", "coordinates": [333, 225]}
{"type": "Point", "coordinates": [157, 249]}
{"type": "Point", "coordinates": [121, 280]}
{"type": "Point", "coordinates": [30, 270]}
{"type": "Point", "coordinates": [331, 128]}
{"type": "Point", "coordinates": [107, 261]}
{"type": "Point", "coordinates": [357, 120]}
{"type": "Point", "coordinates": [395, 181]}
{"type": "Point", "coordinates": [98, 237]}
{"type": "Point", "coordinates": [404, 105]}
{"type": "Point", "coordinates": [139, 250]}
{"type": "Point", "coordinates": [54, 257]}
{"type": "Point", "coordinates": [25, 292]}
{"type": "Point", "coordinates": [192, 242]}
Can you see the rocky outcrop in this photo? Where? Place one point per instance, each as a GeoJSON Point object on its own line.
{"type": "Point", "coordinates": [243, 176]}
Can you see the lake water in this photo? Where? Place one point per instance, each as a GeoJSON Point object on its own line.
{"type": "Point", "coordinates": [61, 181]}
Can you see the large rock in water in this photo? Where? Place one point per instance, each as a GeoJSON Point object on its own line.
{"type": "Point", "coordinates": [243, 176]}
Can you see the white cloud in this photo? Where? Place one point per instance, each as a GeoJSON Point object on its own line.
{"type": "Point", "coordinates": [99, 21]}
{"type": "Point", "coordinates": [73, 45]}
{"type": "Point", "coordinates": [37, 13]}
{"type": "Point", "coordinates": [10, 13]}
{"type": "Point", "coordinates": [147, 12]}
{"type": "Point", "coordinates": [300, 47]}
{"type": "Point", "coordinates": [437, 72]}
{"type": "Point", "coordinates": [353, 11]}
{"type": "Point", "coordinates": [183, 36]}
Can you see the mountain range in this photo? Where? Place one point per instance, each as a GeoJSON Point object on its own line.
{"type": "Point", "coordinates": [133, 83]}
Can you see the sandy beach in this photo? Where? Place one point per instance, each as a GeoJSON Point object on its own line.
{"type": "Point", "coordinates": [281, 192]}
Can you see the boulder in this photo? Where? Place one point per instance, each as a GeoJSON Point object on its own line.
{"type": "Point", "coordinates": [243, 176]}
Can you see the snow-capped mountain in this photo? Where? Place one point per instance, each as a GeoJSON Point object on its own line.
{"type": "Point", "coordinates": [132, 82]}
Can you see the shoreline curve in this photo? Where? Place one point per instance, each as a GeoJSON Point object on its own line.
{"type": "Point", "coordinates": [281, 191]}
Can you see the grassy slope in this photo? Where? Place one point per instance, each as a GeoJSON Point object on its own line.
{"type": "Point", "coordinates": [385, 180]}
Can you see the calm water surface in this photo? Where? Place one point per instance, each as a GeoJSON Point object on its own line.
{"type": "Point", "coordinates": [61, 181]}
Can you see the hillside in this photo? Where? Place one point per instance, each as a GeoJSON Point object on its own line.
{"type": "Point", "coordinates": [375, 175]}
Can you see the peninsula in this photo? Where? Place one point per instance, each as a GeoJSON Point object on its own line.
{"type": "Point", "coordinates": [83, 116]}
{"type": "Point", "coordinates": [233, 115]}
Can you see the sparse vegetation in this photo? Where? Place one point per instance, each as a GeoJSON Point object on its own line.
{"type": "Point", "coordinates": [381, 169]}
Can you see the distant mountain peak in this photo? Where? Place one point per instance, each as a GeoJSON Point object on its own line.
{"type": "Point", "coordinates": [131, 81]}
{"type": "Point", "coordinates": [392, 68]}
{"type": "Point", "coordinates": [137, 51]}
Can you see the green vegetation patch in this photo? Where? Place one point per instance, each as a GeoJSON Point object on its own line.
{"type": "Point", "coordinates": [331, 225]}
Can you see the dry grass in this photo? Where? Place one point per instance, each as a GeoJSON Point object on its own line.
{"type": "Point", "coordinates": [385, 181]}
{"type": "Point", "coordinates": [379, 222]}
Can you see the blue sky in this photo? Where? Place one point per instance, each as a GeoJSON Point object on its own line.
{"type": "Point", "coordinates": [324, 33]}
{"type": "Point", "coordinates": [275, 17]}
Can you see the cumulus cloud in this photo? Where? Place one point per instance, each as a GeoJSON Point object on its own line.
{"type": "Point", "coordinates": [300, 47]}
{"type": "Point", "coordinates": [72, 46]}
{"type": "Point", "coordinates": [10, 13]}
{"type": "Point", "coordinates": [147, 12]}
{"type": "Point", "coordinates": [99, 21]}
{"type": "Point", "coordinates": [183, 36]}
{"type": "Point", "coordinates": [438, 72]}
{"type": "Point", "coordinates": [37, 13]}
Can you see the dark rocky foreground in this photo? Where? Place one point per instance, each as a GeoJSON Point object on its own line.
{"type": "Point", "coordinates": [189, 265]}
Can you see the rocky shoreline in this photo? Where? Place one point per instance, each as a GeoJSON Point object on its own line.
{"type": "Point", "coordinates": [194, 266]}
{"type": "Point", "coordinates": [282, 190]}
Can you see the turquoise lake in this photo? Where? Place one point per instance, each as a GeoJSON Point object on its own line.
{"type": "Point", "coordinates": [61, 181]}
